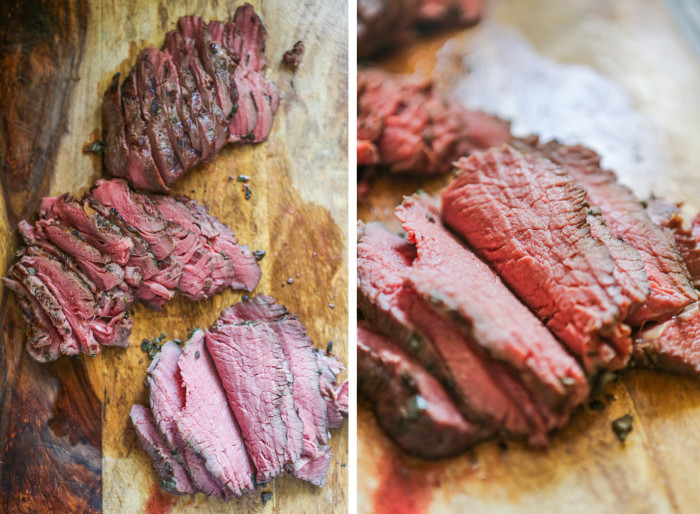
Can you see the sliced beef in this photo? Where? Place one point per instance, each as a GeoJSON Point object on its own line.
{"type": "Point", "coordinates": [93, 228]}
{"type": "Point", "coordinates": [629, 268]}
{"type": "Point", "coordinates": [258, 98]}
{"type": "Point", "coordinates": [172, 474]}
{"type": "Point", "coordinates": [141, 169]}
{"type": "Point", "coordinates": [314, 470]}
{"type": "Point", "coordinates": [413, 129]}
{"type": "Point", "coordinates": [258, 308]}
{"type": "Point", "coordinates": [198, 120]}
{"type": "Point", "coordinates": [43, 339]}
{"type": "Point", "coordinates": [167, 400]}
{"type": "Point", "coordinates": [383, 259]}
{"type": "Point", "coordinates": [411, 405]}
{"type": "Point", "coordinates": [669, 280]}
{"type": "Point", "coordinates": [114, 130]}
{"type": "Point", "coordinates": [97, 266]}
{"type": "Point", "coordinates": [206, 422]}
{"type": "Point", "coordinates": [672, 345]}
{"type": "Point", "coordinates": [76, 300]}
{"type": "Point", "coordinates": [251, 364]}
{"type": "Point", "coordinates": [343, 394]}
{"type": "Point", "coordinates": [330, 368]}
{"type": "Point", "coordinates": [527, 218]}
{"type": "Point", "coordinates": [180, 131]}
{"type": "Point", "coordinates": [667, 215]}
{"type": "Point", "coordinates": [137, 211]}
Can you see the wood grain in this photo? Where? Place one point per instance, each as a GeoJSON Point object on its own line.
{"type": "Point", "coordinates": [66, 437]}
{"type": "Point", "coordinates": [586, 469]}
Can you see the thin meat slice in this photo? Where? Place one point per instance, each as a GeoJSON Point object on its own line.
{"type": "Point", "coordinates": [155, 116]}
{"type": "Point", "coordinates": [114, 130]}
{"type": "Point", "coordinates": [172, 474]}
{"type": "Point", "coordinates": [383, 259]}
{"type": "Point", "coordinates": [200, 122]}
{"type": "Point", "coordinates": [251, 365]}
{"type": "Point", "coordinates": [206, 422]}
{"type": "Point", "coordinates": [411, 128]}
{"type": "Point", "coordinates": [141, 169]}
{"type": "Point", "coordinates": [167, 400]}
{"type": "Point", "coordinates": [446, 275]}
{"type": "Point", "coordinates": [629, 268]}
{"type": "Point", "coordinates": [138, 212]}
{"type": "Point", "coordinates": [94, 228]}
{"type": "Point", "coordinates": [667, 215]}
{"type": "Point", "coordinates": [527, 218]}
{"type": "Point", "coordinates": [43, 339]}
{"type": "Point", "coordinates": [314, 470]}
{"type": "Point", "coordinates": [330, 368]}
{"type": "Point", "coordinates": [672, 345]}
{"type": "Point", "coordinates": [411, 405]}
{"type": "Point", "coordinates": [105, 274]}
{"type": "Point", "coordinates": [169, 95]}
{"type": "Point", "coordinates": [669, 280]}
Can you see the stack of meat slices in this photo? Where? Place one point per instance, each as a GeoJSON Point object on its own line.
{"type": "Point", "coordinates": [564, 275]}
{"type": "Point", "coordinates": [403, 124]}
{"type": "Point", "coordinates": [241, 403]}
{"type": "Point", "coordinates": [179, 106]}
{"type": "Point", "coordinates": [86, 261]}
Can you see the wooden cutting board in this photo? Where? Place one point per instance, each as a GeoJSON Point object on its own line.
{"type": "Point", "coordinates": [586, 469]}
{"type": "Point", "coordinates": [66, 442]}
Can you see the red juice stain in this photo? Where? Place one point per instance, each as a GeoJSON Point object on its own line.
{"type": "Point", "coordinates": [406, 485]}
{"type": "Point", "coordinates": [159, 502]}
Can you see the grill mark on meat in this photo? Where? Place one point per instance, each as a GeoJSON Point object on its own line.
{"type": "Point", "coordinates": [671, 289]}
{"type": "Point", "coordinates": [155, 117]}
{"type": "Point", "coordinates": [528, 219]}
{"type": "Point", "coordinates": [410, 403]}
{"type": "Point", "coordinates": [141, 170]}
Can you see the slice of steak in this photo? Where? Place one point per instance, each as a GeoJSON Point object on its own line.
{"type": "Point", "coordinates": [138, 212]}
{"type": "Point", "coordinates": [383, 260]}
{"type": "Point", "coordinates": [206, 422]}
{"type": "Point", "coordinates": [303, 408]}
{"type": "Point", "coordinates": [258, 98]}
{"type": "Point", "coordinates": [173, 477]}
{"type": "Point", "coordinates": [114, 330]}
{"type": "Point", "coordinates": [343, 394]}
{"type": "Point", "coordinates": [629, 268]}
{"type": "Point", "coordinates": [114, 131]}
{"type": "Point", "coordinates": [169, 93]}
{"type": "Point", "coordinates": [415, 130]}
{"type": "Point", "coordinates": [97, 266]}
{"type": "Point", "coordinates": [233, 265]}
{"type": "Point", "coordinates": [672, 345]}
{"type": "Point", "coordinates": [330, 368]}
{"type": "Point", "coordinates": [206, 87]}
{"type": "Point", "coordinates": [141, 169]}
{"type": "Point", "coordinates": [155, 116]}
{"type": "Point", "coordinates": [671, 289]}
{"type": "Point", "coordinates": [445, 275]}
{"type": "Point", "coordinates": [250, 362]}
{"type": "Point", "coordinates": [217, 60]}
{"type": "Point", "coordinates": [527, 218]}
{"type": "Point", "coordinates": [667, 215]}
{"type": "Point", "coordinates": [411, 405]}
{"type": "Point", "coordinates": [314, 470]}
{"type": "Point", "coordinates": [201, 123]}
{"type": "Point", "coordinates": [43, 339]}
{"type": "Point", "coordinates": [76, 300]}
{"type": "Point", "coordinates": [167, 400]}
{"type": "Point", "coordinates": [94, 228]}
